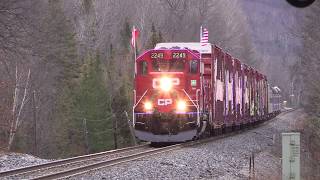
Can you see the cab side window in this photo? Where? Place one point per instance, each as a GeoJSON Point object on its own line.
{"type": "Point", "coordinates": [193, 67]}
{"type": "Point", "coordinates": [143, 68]}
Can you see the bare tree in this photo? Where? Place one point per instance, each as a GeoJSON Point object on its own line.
{"type": "Point", "coordinates": [15, 26]}
{"type": "Point", "coordinates": [21, 96]}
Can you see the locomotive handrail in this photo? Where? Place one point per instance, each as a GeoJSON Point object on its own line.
{"type": "Point", "coordinates": [140, 123]}
{"type": "Point", "coordinates": [196, 105]}
{"type": "Point", "coordinates": [198, 111]}
{"type": "Point", "coordinates": [189, 98]}
{"type": "Point", "coordinates": [197, 96]}
{"type": "Point", "coordinates": [133, 118]}
{"type": "Point", "coordinates": [134, 96]}
{"type": "Point", "coordinates": [141, 98]}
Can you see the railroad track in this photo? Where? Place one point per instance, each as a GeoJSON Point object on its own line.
{"type": "Point", "coordinates": [83, 164]}
{"type": "Point", "coordinates": [56, 167]}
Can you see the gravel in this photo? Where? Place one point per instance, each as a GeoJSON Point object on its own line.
{"type": "Point", "coordinates": [9, 161]}
{"type": "Point", "coordinates": [226, 158]}
{"type": "Point", "coordinates": [77, 164]}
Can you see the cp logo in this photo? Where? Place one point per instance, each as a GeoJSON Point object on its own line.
{"type": "Point", "coordinates": [164, 102]}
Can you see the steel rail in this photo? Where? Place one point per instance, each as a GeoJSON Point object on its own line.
{"type": "Point", "coordinates": [112, 162]}
{"type": "Point", "coordinates": [116, 161]}
{"type": "Point", "coordinates": [62, 162]}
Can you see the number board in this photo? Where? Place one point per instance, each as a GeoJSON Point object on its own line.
{"type": "Point", "coordinates": [157, 55]}
{"type": "Point", "coordinates": [179, 55]}
{"type": "Point", "coordinates": [175, 55]}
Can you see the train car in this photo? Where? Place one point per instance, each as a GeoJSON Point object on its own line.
{"type": "Point", "coordinates": [183, 91]}
{"type": "Point", "coordinates": [274, 94]}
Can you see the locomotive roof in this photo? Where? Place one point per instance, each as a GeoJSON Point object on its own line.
{"type": "Point", "coordinates": [186, 45]}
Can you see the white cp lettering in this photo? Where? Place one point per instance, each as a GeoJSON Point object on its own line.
{"type": "Point", "coordinates": [164, 102]}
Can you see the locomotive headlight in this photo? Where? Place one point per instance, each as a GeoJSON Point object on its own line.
{"type": "Point", "coordinates": [181, 106]}
{"type": "Point", "coordinates": [148, 106]}
{"type": "Point", "coordinates": [165, 84]}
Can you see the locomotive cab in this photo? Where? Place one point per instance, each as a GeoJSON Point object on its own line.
{"type": "Point", "coordinates": [166, 95]}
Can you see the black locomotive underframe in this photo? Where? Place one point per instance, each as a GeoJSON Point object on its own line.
{"type": "Point", "coordinates": [165, 123]}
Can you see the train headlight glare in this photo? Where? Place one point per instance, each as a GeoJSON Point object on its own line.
{"type": "Point", "coordinates": [165, 84]}
{"type": "Point", "coordinates": [147, 106]}
{"type": "Point", "coordinates": [181, 106]}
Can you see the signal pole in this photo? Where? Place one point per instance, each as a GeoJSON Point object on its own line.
{"type": "Point", "coordinates": [134, 44]}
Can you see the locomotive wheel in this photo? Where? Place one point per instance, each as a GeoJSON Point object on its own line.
{"type": "Point", "coordinates": [220, 131]}
{"type": "Point", "coordinates": [233, 127]}
{"type": "Point", "coordinates": [157, 144]}
{"type": "Point", "coordinates": [217, 131]}
{"type": "Point", "coordinates": [161, 144]}
{"type": "Point", "coordinates": [224, 129]}
{"type": "Point", "coordinates": [242, 126]}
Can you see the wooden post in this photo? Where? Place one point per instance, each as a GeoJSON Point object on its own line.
{"type": "Point", "coordinates": [85, 132]}
{"type": "Point", "coordinates": [251, 166]}
{"type": "Point", "coordinates": [34, 122]}
{"type": "Point", "coordinates": [115, 129]}
{"type": "Point", "coordinates": [253, 161]}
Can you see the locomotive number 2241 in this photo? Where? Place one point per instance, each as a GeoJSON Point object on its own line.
{"type": "Point", "coordinates": [178, 55]}
{"type": "Point", "coordinates": [156, 55]}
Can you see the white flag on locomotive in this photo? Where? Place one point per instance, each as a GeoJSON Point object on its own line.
{"type": "Point", "coordinates": [204, 36]}
{"type": "Point", "coordinates": [134, 36]}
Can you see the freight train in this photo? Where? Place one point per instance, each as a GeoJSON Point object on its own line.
{"type": "Point", "coordinates": [183, 91]}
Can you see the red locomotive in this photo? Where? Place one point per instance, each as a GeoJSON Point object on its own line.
{"type": "Point", "coordinates": [186, 90]}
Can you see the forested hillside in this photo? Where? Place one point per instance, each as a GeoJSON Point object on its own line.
{"type": "Point", "coordinates": [306, 73]}
{"type": "Point", "coordinates": [66, 66]}
{"type": "Point", "coordinates": [272, 28]}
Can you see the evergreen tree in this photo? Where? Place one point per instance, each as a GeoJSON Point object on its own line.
{"type": "Point", "coordinates": [154, 38]}
{"type": "Point", "coordinates": [160, 38]}
{"type": "Point", "coordinates": [92, 104]}
{"type": "Point", "coordinates": [125, 33]}
{"type": "Point", "coordinates": [60, 50]}
{"type": "Point", "coordinates": [308, 67]}
{"type": "Point", "coordinates": [120, 104]}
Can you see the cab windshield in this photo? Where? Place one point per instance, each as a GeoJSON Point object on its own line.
{"type": "Point", "coordinates": [174, 65]}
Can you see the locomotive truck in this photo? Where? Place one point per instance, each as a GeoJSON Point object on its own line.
{"type": "Point", "coordinates": [183, 91]}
